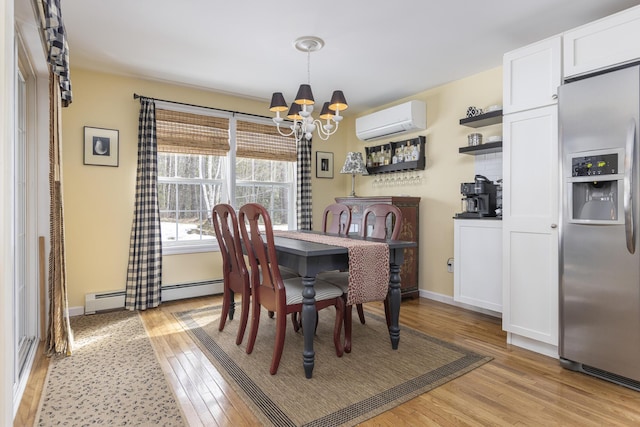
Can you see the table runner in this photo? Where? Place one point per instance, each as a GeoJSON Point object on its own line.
{"type": "Point", "coordinates": [368, 264]}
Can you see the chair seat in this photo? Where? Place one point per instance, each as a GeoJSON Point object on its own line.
{"type": "Point", "coordinates": [287, 273]}
{"type": "Point", "coordinates": [324, 290]}
{"type": "Point", "coordinates": [339, 279]}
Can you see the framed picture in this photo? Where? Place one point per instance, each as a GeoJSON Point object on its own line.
{"type": "Point", "coordinates": [324, 164]}
{"type": "Point", "coordinates": [101, 147]}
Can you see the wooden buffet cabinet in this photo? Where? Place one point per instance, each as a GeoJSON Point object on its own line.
{"type": "Point", "coordinates": [410, 207]}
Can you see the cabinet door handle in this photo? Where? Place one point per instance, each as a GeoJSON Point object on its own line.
{"type": "Point", "coordinates": [554, 225]}
{"type": "Point", "coordinates": [554, 96]}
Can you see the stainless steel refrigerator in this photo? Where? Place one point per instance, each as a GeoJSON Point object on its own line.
{"type": "Point", "coordinates": [600, 255]}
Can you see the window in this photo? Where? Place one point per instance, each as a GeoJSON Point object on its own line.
{"type": "Point", "coordinates": [189, 185]}
{"type": "Point", "coordinates": [204, 160]}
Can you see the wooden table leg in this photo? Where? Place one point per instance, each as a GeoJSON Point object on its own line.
{"type": "Point", "coordinates": [308, 323]}
{"type": "Point", "coordinates": [394, 304]}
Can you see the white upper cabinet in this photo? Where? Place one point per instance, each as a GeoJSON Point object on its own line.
{"type": "Point", "coordinates": [601, 44]}
{"type": "Point", "coordinates": [532, 75]}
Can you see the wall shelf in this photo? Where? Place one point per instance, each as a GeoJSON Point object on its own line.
{"type": "Point", "coordinates": [475, 150]}
{"type": "Point", "coordinates": [397, 167]}
{"type": "Point", "coordinates": [486, 119]}
{"type": "Point", "coordinates": [400, 166]}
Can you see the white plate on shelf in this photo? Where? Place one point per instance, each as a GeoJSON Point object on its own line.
{"type": "Point", "coordinates": [495, 138]}
{"type": "Point", "coordinates": [492, 108]}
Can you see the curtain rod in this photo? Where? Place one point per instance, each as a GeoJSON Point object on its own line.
{"type": "Point", "coordinates": [136, 96]}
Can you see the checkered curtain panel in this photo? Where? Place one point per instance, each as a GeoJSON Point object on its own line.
{"type": "Point", "coordinates": [303, 185]}
{"type": "Point", "coordinates": [55, 35]}
{"type": "Point", "coordinates": [144, 274]}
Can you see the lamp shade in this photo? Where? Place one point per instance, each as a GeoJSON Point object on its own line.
{"type": "Point", "coordinates": [294, 112]}
{"type": "Point", "coordinates": [277, 102]}
{"type": "Point", "coordinates": [304, 96]}
{"type": "Point", "coordinates": [338, 101]}
{"type": "Point", "coordinates": [326, 113]}
{"type": "Point", "coordinates": [354, 164]}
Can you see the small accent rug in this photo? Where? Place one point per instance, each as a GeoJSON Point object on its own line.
{"type": "Point", "coordinates": [112, 378]}
{"type": "Point", "coordinates": [344, 391]}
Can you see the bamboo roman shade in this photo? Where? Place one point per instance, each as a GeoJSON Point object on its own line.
{"type": "Point", "coordinates": [260, 141]}
{"type": "Point", "coordinates": [188, 133]}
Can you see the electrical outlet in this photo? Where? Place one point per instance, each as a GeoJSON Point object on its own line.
{"type": "Point", "coordinates": [450, 265]}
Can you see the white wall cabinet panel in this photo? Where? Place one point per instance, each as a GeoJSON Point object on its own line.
{"type": "Point", "coordinates": [477, 276]}
{"type": "Point", "coordinates": [532, 76]}
{"type": "Point", "coordinates": [603, 43]}
{"type": "Point", "coordinates": [530, 218]}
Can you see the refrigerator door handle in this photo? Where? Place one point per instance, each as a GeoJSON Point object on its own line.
{"type": "Point", "coordinates": [629, 226]}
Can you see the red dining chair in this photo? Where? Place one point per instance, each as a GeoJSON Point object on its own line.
{"type": "Point", "coordinates": [387, 224]}
{"type": "Point", "coordinates": [274, 293]}
{"type": "Point", "coordinates": [336, 219]}
{"type": "Point", "coordinates": [234, 269]}
{"type": "Point", "coordinates": [380, 221]}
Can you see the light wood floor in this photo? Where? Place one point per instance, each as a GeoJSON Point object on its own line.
{"type": "Point", "coordinates": [518, 387]}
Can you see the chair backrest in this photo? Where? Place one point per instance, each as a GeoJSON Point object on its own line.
{"type": "Point", "coordinates": [225, 225]}
{"type": "Point", "coordinates": [340, 217]}
{"type": "Point", "coordinates": [383, 215]}
{"type": "Point", "coordinates": [266, 281]}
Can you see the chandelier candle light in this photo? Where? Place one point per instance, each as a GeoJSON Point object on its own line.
{"type": "Point", "coordinates": [300, 112]}
{"type": "Point", "coordinates": [355, 166]}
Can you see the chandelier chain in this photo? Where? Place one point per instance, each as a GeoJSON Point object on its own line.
{"type": "Point", "coordinates": [308, 66]}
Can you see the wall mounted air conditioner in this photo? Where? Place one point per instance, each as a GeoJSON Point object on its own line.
{"type": "Point", "coordinates": [407, 117]}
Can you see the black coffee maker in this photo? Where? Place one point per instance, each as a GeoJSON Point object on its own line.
{"type": "Point", "coordinates": [479, 198]}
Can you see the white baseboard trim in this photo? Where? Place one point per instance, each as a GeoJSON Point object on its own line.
{"type": "Point", "coordinates": [449, 300]}
{"type": "Point", "coordinates": [76, 311]}
{"type": "Point", "coordinates": [533, 345]}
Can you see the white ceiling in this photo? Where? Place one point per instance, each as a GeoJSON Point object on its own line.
{"type": "Point", "coordinates": [376, 51]}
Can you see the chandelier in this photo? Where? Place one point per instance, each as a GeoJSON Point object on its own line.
{"type": "Point", "coordinates": [304, 124]}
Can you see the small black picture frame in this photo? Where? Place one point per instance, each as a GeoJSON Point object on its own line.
{"type": "Point", "coordinates": [101, 147]}
{"type": "Point", "coordinates": [324, 164]}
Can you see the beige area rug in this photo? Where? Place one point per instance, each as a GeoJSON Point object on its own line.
{"type": "Point", "coordinates": [344, 391]}
{"type": "Point", "coordinates": [113, 378]}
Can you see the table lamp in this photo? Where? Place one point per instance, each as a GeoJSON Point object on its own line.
{"type": "Point", "coordinates": [355, 166]}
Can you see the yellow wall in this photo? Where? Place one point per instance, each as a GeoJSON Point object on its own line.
{"type": "Point", "coordinates": [98, 201]}
{"type": "Point", "coordinates": [445, 168]}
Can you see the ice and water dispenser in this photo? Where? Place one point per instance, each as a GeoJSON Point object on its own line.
{"type": "Point", "coordinates": [595, 187]}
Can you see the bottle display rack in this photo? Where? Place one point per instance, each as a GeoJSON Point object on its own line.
{"type": "Point", "coordinates": [396, 156]}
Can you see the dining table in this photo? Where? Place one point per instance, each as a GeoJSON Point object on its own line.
{"type": "Point", "coordinates": [309, 258]}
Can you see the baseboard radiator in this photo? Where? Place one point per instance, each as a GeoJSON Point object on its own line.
{"type": "Point", "coordinates": [102, 301]}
